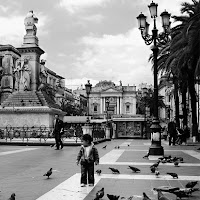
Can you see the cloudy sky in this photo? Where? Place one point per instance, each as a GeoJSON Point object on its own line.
{"type": "Point", "coordinates": [87, 39]}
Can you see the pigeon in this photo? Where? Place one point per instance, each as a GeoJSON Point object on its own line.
{"type": "Point", "coordinates": [155, 164]}
{"type": "Point", "coordinates": [98, 171]}
{"type": "Point", "coordinates": [180, 159]}
{"type": "Point", "coordinates": [180, 193]}
{"type": "Point", "coordinates": [176, 163]}
{"type": "Point", "coordinates": [118, 147]}
{"type": "Point", "coordinates": [174, 175]}
{"type": "Point", "coordinates": [104, 147]}
{"type": "Point", "coordinates": [153, 169]}
{"type": "Point", "coordinates": [130, 198]}
{"type": "Point", "coordinates": [48, 173]}
{"type": "Point", "coordinates": [157, 173]}
{"type": "Point", "coordinates": [191, 184]}
{"type": "Point", "coordinates": [128, 145]}
{"type": "Point", "coordinates": [115, 147]}
{"type": "Point", "coordinates": [161, 158]}
{"type": "Point", "coordinates": [115, 171]}
{"type": "Point", "coordinates": [161, 196]}
{"type": "Point", "coordinates": [99, 194]}
{"type": "Point", "coordinates": [134, 169]}
{"type": "Point", "coordinates": [112, 197]}
{"type": "Point", "coordinates": [146, 156]}
{"type": "Point", "coordinates": [163, 161]}
{"type": "Point", "coordinates": [191, 190]}
{"type": "Point", "coordinates": [12, 197]}
{"type": "Point", "coordinates": [145, 197]}
{"type": "Point", "coordinates": [166, 189]}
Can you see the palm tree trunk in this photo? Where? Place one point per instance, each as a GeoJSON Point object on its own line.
{"type": "Point", "coordinates": [184, 92]}
{"type": "Point", "coordinates": [176, 100]}
{"type": "Point", "coordinates": [192, 91]}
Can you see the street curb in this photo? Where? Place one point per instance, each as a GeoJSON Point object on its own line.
{"type": "Point", "coordinates": [46, 144]}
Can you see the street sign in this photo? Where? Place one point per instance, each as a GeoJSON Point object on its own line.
{"type": "Point", "coordinates": [111, 108]}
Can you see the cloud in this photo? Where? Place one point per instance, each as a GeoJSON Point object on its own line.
{"type": "Point", "coordinates": [3, 8]}
{"type": "Point", "coordinates": [12, 30]}
{"type": "Point", "coordinates": [93, 18]}
{"type": "Point", "coordinates": [61, 55]}
{"type": "Point", "coordinates": [73, 6]}
{"type": "Point", "coordinates": [78, 82]}
{"type": "Point", "coordinates": [115, 57]}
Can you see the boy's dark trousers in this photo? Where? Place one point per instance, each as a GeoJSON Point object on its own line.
{"type": "Point", "coordinates": [87, 169]}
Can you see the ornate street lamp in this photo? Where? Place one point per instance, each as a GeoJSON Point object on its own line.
{"type": "Point", "coordinates": [157, 39]}
{"type": "Point", "coordinates": [88, 88]}
{"type": "Point", "coordinates": [107, 106]}
{"type": "Point", "coordinates": [145, 92]}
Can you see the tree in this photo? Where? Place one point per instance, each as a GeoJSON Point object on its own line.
{"type": "Point", "coordinates": [187, 41]}
{"type": "Point", "coordinates": [148, 101]}
{"type": "Point", "coordinates": [71, 109]}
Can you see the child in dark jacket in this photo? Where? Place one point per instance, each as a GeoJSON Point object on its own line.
{"type": "Point", "coordinates": [87, 156]}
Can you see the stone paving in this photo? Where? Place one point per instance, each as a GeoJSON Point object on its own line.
{"type": "Point", "coordinates": [22, 169]}
{"type": "Point", "coordinates": [127, 183]}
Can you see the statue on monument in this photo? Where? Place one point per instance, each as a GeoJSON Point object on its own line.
{"type": "Point", "coordinates": [43, 75]}
{"type": "Point", "coordinates": [7, 63]}
{"type": "Point", "coordinates": [25, 76]}
{"type": "Point", "coordinates": [6, 71]}
{"type": "Point", "coordinates": [30, 22]}
{"type": "Point", "coordinates": [17, 74]}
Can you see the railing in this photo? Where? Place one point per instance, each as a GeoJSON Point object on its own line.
{"type": "Point", "coordinates": [41, 133]}
{"type": "Point", "coordinates": [72, 133]}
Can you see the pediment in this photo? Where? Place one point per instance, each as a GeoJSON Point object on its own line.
{"type": "Point", "coordinates": [111, 90]}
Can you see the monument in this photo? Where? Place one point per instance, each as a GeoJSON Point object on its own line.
{"type": "Point", "coordinates": [25, 95]}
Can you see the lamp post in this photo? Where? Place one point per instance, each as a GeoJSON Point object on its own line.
{"type": "Point", "coordinates": [145, 104]}
{"type": "Point", "coordinates": [157, 39]}
{"type": "Point", "coordinates": [107, 105]}
{"type": "Point", "coordinates": [88, 88]}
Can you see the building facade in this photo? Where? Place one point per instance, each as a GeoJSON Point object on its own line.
{"type": "Point", "coordinates": [121, 109]}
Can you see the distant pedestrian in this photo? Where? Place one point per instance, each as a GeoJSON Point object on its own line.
{"type": "Point", "coordinates": [164, 133]}
{"type": "Point", "coordinates": [172, 132]}
{"type": "Point", "coordinates": [58, 128]}
{"type": "Point", "coordinates": [87, 157]}
{"type": "Point", "coordinates": [180, 136]}
{"type": "Point", "coordinates": [186, 133]}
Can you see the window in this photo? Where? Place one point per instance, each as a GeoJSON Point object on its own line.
{"type": "Point", "coordinates": [95, 108]}
{"type": "Point", "coordinates": [127, 108]}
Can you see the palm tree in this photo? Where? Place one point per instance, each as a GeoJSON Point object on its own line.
{"type": "Point", "coordinates": [187, 41]}
{"type": "Point", "coordinates": [181, 57]}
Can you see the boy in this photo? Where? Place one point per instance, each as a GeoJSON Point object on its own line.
{"type": "Point", "coordinates": [87, 156]}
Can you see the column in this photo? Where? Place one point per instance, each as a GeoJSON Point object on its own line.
{"type": "Point", "coordinates": [100, 105]}
{"type": "Point", "coordinates": [121, 104]}
{"type": "Point", "coordinates": [117, 105]}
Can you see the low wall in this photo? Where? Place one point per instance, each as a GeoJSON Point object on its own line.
{"type": "Point", "coordinates": [21, 119]}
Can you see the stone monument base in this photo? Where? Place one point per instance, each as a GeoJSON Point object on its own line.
{"type": "Point", "coordinates": [35, 116]}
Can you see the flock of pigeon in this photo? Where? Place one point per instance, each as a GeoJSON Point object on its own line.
{"type": "Point", "coordinates": [179, 192]}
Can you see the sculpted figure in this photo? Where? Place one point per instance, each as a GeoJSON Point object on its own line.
{"type": "Point", "coordinates": [30, 22]}
{"type": "Point", "coordinates": [17, 74]}
{"type": "Point", "coordinates": [43, 75]}
{"type": "Point", "coordinates": [7, 63]}
{"type": "Point", "coordinates": [6, 71]}
{"type": "Point", "coordinates": [25, 75]}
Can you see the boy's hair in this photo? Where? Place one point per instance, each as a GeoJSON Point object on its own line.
{"type": "Point", "coordinates": [87, 137]}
